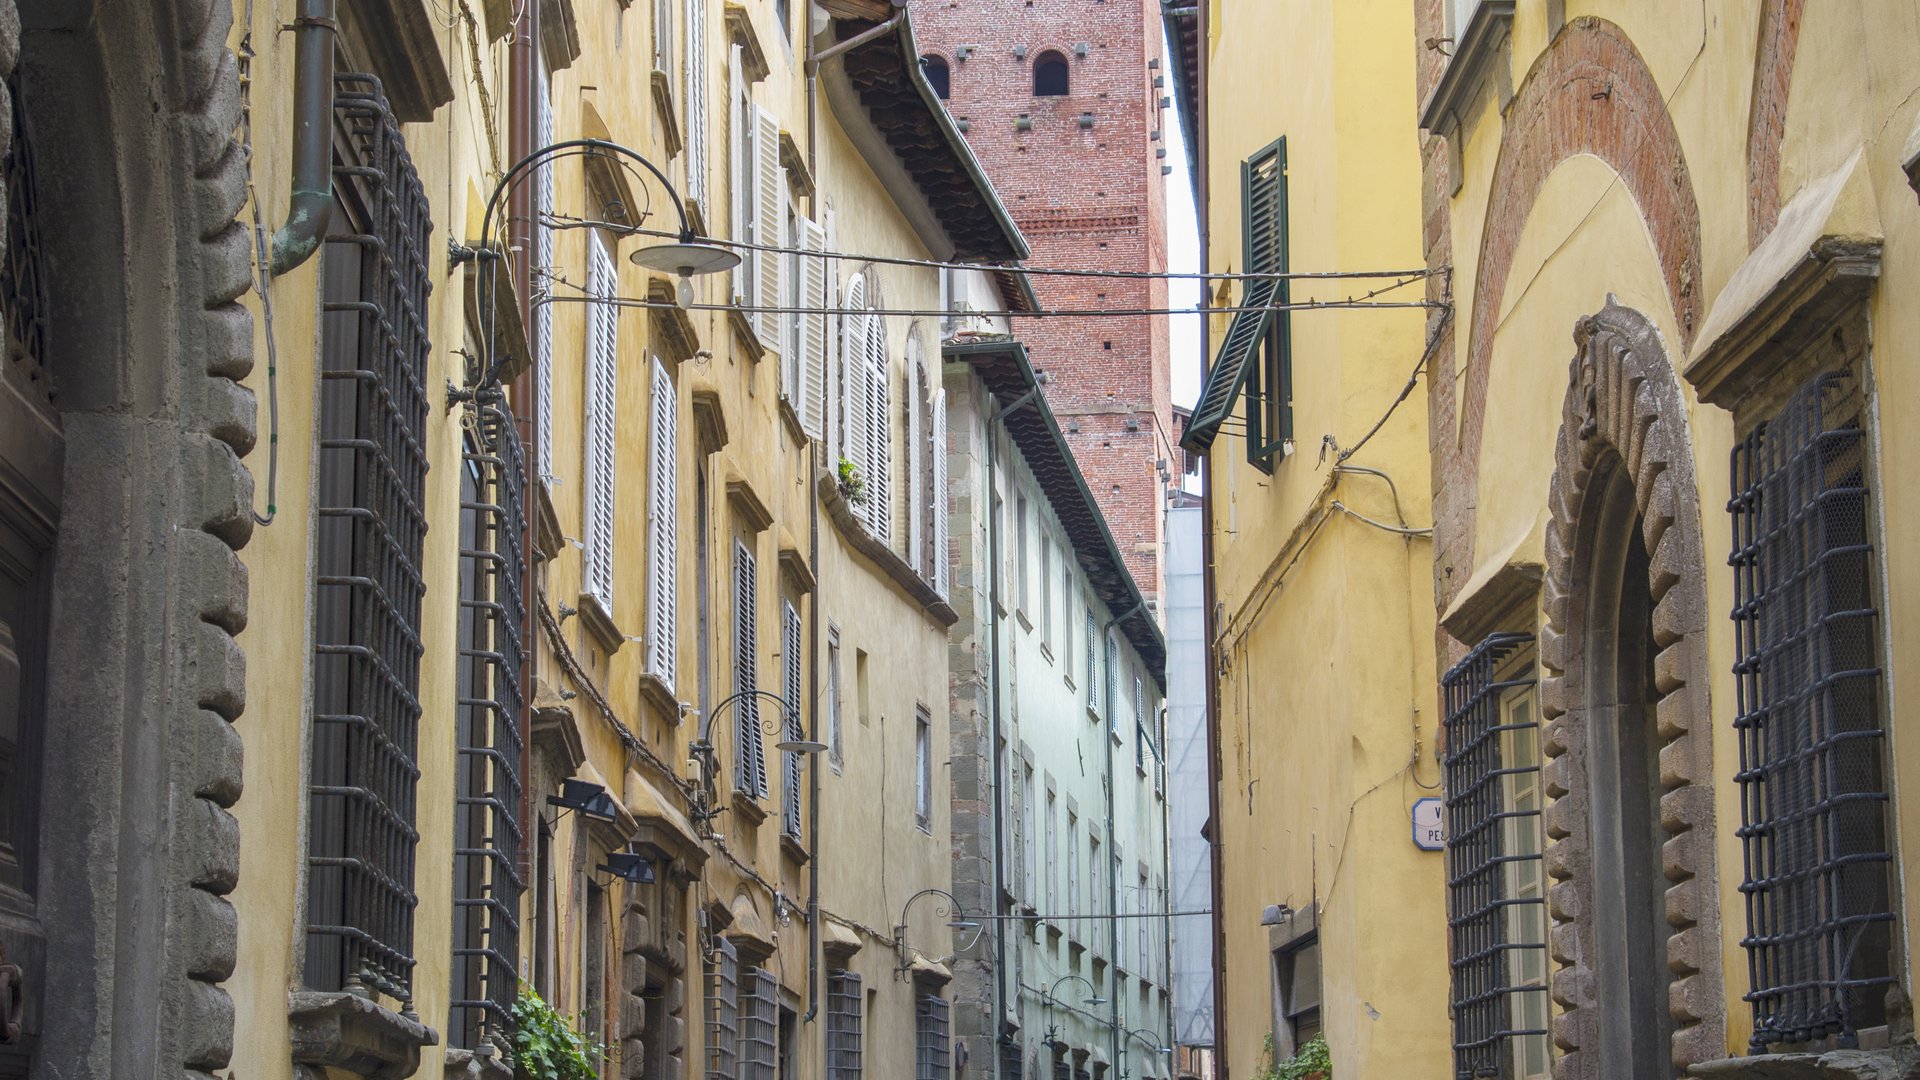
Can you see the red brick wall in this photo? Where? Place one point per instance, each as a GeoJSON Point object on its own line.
{"type": "Point", "coordinates": [1086, 198]}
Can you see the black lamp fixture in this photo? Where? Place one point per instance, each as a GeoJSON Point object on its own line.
{"type": "Point", "coordinates": [786, 722]}
{"type": "Point", "coordinates": [629, 866]}
{"type": "Point", "coordinates": [590, 799]}
{"type": "Point", "coordinates": [1152, 1044]}
{"type": "Point", "coordinates": [956, 920]}
{"type": "Point", "coordinates": [1093, 995]}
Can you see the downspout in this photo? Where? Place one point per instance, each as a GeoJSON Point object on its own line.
{"type": "Point", "coordinates": [310, 202]}
{"type": "Point", "coordinates": [520, 144]}
{"type": "Point", "coordinates": [1113, 874]}
{"type": "Point", "coordinates": [813, 761]}
{"type": "Point", "coordinates": [994, 585]}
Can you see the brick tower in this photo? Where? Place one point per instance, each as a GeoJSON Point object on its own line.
{"type": "Point", "coordinates": [1061, 101]}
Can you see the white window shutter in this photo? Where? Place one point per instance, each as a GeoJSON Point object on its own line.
{"type": "Point", "coordinates": [662, 534]}
{"type": "Point", "coordinates": [813, 359]}
{"type": "Point", "coordinates": [942, 558]}
{"type": "Point", "coordinates": [879, 430]}
{"type": "Point", "coordinates": [750, 757]}
{"type": "Point", "coordinates": [603, 338]}
{"type": "Point", "coordinates": [769, 222]}
{"type": "Point", "coordinates": [696, 68]}
{"type": "Point", "coordinates": [914, 493]}
{"type": "Point", "coordinates": [790, 691]}
{"type": "Point", "coordinates": [850, 399]}
{"type": "Point", "coordinates": [740, 174]}
{"type": "Point", "coordinates": [541, 278]}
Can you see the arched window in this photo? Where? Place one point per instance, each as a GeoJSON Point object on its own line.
{"type": "Point", "coordinates": [1050, 75]}
{"type": "Point", "coordinates": [938, 74]}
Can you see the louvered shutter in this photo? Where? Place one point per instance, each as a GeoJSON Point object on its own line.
{"type": "Point", "coordinates": [849, 399]}
{"type": "Point", "coordinates": [879, 431]}
{"type": "Point", "coordinates": [1113, 660]}
{"type": "Point", "coordinates": [790, 667]}
{"type": "Point", "coordinates": [1093, 664]}
{"type": "Point", "coordinates": [541, 276]}
{"type": "Point", "coordinates": [750, 756]}
{"type": "Point", "coordinates": [813, 358]}
{"type": "Point", "coordinates": [769, 221]}
{"type": "Point", "coordinates": [603, 339]}
{"type": "Point", "coordinates": [942, 557]}
{"type": "Point", "coordinates": [740, 174]}
{"type": "Point", "coordinates": [914, 493]}
{"type": "Point", "coordinates": [696, 68]}
{"type": "Point", "coordinates": [662, 534]}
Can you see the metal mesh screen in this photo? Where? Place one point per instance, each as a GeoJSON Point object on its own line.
{"type": "Point", "coordinates": [487, 826]}
{"type": "Point", "coordinates": [372, 471]}
{"type": "Point", "coordinates": [1812, 798]}
{"type": "Point", "coordinates": [759, 1024]}
{"type": "Point", "coordinates": [723, 1013]}
{"type": "Point", "coordinates": [932, 1060]}
{"type": "Point", "coordinates": [1488, 924]}
{"type": "Point", "coordinates": [845, 1011]}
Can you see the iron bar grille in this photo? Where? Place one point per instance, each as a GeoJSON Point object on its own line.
{"type": "Point", "coordinates": [1012, 1065]}
{"type": "Point", "coordinates": [723, 1013]}
{"type": "Point", "coordinates": [372, 471]}
{"type": "Point", "coordinates": [932, 1060]}
{"type": "Point", "coordinates": [1489, 927]}
{"type": "Point", "coordinates": [845, 1011]}
{"type": "Point", "coordinates": [22, 271]}
{"type": "Point", "coordinates": [487, 825]}
{"type": "Point", "coordinates": [759, 1024]}
{"type": "Point", "coordinates": [1812, 797]}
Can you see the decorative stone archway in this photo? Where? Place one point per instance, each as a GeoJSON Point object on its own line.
{"type": "Point", "coordinates": [1624, 466]}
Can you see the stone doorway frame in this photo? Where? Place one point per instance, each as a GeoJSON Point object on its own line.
{"type": "Point", "coordinates": [1624, 414]}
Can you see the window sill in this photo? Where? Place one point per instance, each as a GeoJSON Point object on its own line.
{"type": "Point", "coordinates": [599, 622]}
{"type": "Point", "coordinates": [791, 847]}
{"type": "Point", "coordinates": [663, 108]}
{"type": "Point", "coordinates": [1068, 676]}
{"type": "Point", "coordinates": [1046, 652]}
{"type": "Point", "coordinates": [1020, 616]}
{"type": "Point", "coordinates": [338, 1030]}
{"type": "Point", "coordinates": [923, 825]}
{"type": "Point", "coordinates": [1482, 54]}
{"type": "Point", "coordinates": [880, 555]}
{"type": "Point", "coordinates": [1833, 1065]}
{"type": "Point", "coordinates": [655, 691]}
{"type": "Point", "coordinates": [1093, 714]}
{"type": "Point", "coordinates": [1053, 932]}
{"type": "Point", "coordinates": [743, 333]}
{"type": "Point", "coordinates": [476, 1065]}
{"type": "Point", "coordinates": [747, 809]}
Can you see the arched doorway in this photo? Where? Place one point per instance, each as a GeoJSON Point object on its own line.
{"type": "Point", "coordinates": [1625, 702]}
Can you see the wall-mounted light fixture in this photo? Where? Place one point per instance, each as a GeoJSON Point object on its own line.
{"type": "Point", "coordinates": [590, 799]}
{"type": "Point", "coordinates": [629, 866]}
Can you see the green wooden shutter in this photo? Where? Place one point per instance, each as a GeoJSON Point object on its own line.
{"type": "Point", "coordinates": [1263, 213]}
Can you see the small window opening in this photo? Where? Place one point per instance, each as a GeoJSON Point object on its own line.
{"type": "Point", "coordinates": [1050, 75]}
{"type": "Point", "coordinates": [938, 75]}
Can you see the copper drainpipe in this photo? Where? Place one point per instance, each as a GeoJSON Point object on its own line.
{"type": "Point", "coordinates": [310, 202]}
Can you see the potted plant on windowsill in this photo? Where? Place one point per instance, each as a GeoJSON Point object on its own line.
{"type": "Point", "coordinates": [853, 486]}
{"type": "Point", "coordinates": [546, 1046]}
{"type": "Point", "coordinates": [1310, 1062]}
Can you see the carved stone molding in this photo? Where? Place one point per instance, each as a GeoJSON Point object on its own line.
{"type": "Point", "coordinates": [350, 1033]}
{"type": "Point", "coordinates": [1624, 416]}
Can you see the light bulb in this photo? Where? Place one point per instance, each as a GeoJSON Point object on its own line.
{"type": "Point", "coordinates": [683, 291]}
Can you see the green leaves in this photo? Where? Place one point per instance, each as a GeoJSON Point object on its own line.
{"type": "Point", "coordinates": [1311, 1062]}
{"type": "Point", "coordinates": [546, 1046]}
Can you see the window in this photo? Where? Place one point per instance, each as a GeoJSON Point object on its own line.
{"type": "Point", "coordinates": [931, 1042]}
{"type": "Point", "coordinates": [1093, 664]}
{"type": "Point", "coordinates": [593, 974]}
{"type": "Point", "coordinates": [809, 365]}
{"type": "Point", "coordinates": [923, 769]}
{"type": "Point", "coordinates": [847, 407]}
{"type": "Point", "coordinates": [1020, 552]}
{"type": "Point", "coordinates": [1459, 17]}
{"type": "Point", "coordinates": [1139, 723]}
{"type": "Point", "coordinates": [1053, 848]}
{"type": "Point", "coordinates": [1143, 963]}
{"type": "Point", "coordinates": [723, 1012]}
{"type": "Point", "coordinates": [602, 366]}
{"type": "Point", "coordinates": [487, 826]}
{"type": "Point", "coordinates": [1813, 796]}
{"type": "Point", "coordinates": [663, 36]}
{"type": "Point", "coordinates": [369, 489]}
{"type": "Point", "coordinates": [759, 1024]}
{"type": "Point", "coordinates": [1297, 1000]}
{"type": "Point", "coordinates": [939, 76]}
{"type": "Point", "coordinates": [834, 737]}
{"type": "Point", "coordinates": [1495, 895]}
{"type": "Point", "coordinates": [1032, 833]}
{"type": "Point", "coordinates": [1096, 895]}
{"type": "Point", "coordinates": [1073, 861]}
{"type": "Point", "coordinates": [703, 578]}
{"type": "Point", "coordinates": [1113, 666]}
{"type": "Point", "coordinates": [941, 555]}
{"type": "Point", "coordinates": [697, 75]}
{"type": "Point", "coordinates": [1046, 590]}
{"type": "Point", "coordinates": [790, 664]}
{"type": "Point", "coordinates": [1050, 75]}
{"type": "Point", "coordinates": [540, 276]}
{"type": "Point", "coordinates": [663, 504]}
{"type": "Point", "coordinates": [876, 430]}
{"type": "Point", "coordinates": [750, 775]}
{"type": "Point", "coordinates": [844, 1050]}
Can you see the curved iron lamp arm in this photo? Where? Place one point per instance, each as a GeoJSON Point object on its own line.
{"type": "Point", "coordinates": [704, 752]}
{"type": "Point", "coordinates": [953, 909]}
{"type": "Point", "coordinates": [1151, 1044]}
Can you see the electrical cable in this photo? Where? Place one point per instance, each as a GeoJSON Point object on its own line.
{"type": "Point", "coordinates": [931, 313]}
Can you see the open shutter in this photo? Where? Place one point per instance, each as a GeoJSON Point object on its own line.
{"type": "Point", "coordinates": [879, 431]}
{"type": "Point", "coordinates": [790, 666]}
{"type": "Point", "coordinates": [769, 223]}
{"type": "Point", "coordinates": [942, 557]}
{"type": "Point", "coordinates": [696, 68]}
{"type": "Point", "coordinates": [662, 501]}
{"type": "Point", "coordinates": [849, 399]}
{"type": "Point", "coordinates": [1263, 194]}
{"type": "Point", "coordinates": [541, 275]}
{"type": "Point", "coordinates": [813, 358]}
{"type": "Point", "coordinates": [603, 337]}
{"type": "Point", "coordinates": [915, 492]}
{"type": "Point", "coordinates": [740, 174]}
{"type": "Point", "coordinates": [750, 756]}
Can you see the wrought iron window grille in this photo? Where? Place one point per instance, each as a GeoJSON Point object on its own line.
{"type": "Point", "coordinates": [723, 1012]}
{"type": "Point", "coordinates": [932, 1044]}
{"type": "Point", "coordinates": [1812, 794]}
{"type": "Point", "coordinates": [1482, 918]}
{"type": "Point", "coordinates": [372, 474]}
{"type": "Point", "coordinates": [845, 1014]}
{"type": "Point", "coordinates": [759, 1024]}
{"type": "Point", "coordinates": [488, 827]}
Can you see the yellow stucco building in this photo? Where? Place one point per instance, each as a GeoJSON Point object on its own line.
{"type": "Point", "coordinates": [1660, 386]}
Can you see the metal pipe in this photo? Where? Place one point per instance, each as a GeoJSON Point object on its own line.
{"type": "Point", "coordinates": [814, 61]}
{"type": "Point", "coordinates": [994, 607]}
{"type": "Point", "coordinates": [813, 763]}
{"type": "Point", "coordinates": [1113, 872]}
{"type": "Point", "coordinates": [310, 202]}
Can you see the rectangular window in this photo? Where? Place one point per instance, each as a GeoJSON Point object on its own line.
{"type": "Point", "coordinates": [1046, 590]}
{"type": "Point", "coordinates": [1139, 723]}
{"type": "Point", "coordinates": [1813, 796]}
{"type": "Point", "coordinates": [1113, 666]}
{"type": "Point", "coordinates": [932, 1057]}
{"type": "Point", "coordinates": [593, 974]}
{"type": "Point", "coordinates": [697, 76]}
{"type": "Point", "coordinates": [540, 276]}
{"type": "Point", "coordinates": [1052, 869]}
{"type": "Point", "coordinates": [1033, 832]}
{"type": "Point", "coordinates": [1093, 663]}
{"type": "Point", "coordinates": [663, 504]}
{"type": "Point", "coordinates": [369, 536]}
{"type": "Point", "coordinates": [750, 774]}
{"type": "Point", "coordinates": [942, 554]}
{"type": "Point", "coordinates": [811, 281]}
{"type": "Point", "coordinates": [1020, 571]}
{"type": "Point", "coordinates": [767, 221]}
{"type": "Point", "coordinates": [844, 1014]}
{"type": "Point", "coordinates": [487, 825]}
{"type": "Point", "coordinates": [602, 375]}
{"type": "Point", "coordinates": [877, 428]}
{"type": "Point", "coordinates": [723, 1013]}
{"type": "Point", "coordinates": [1073, 862]}
{"type": "Point", "coordinates": [1297, 977]}
{"type": "Point", "coordinates": [759, 1024]}
{"type": "Point", "coordinates": [1495, 894]}
{"type": "Point", "coordinates": [1269, 384]}
{"type": "Point", "coordinates": [922, 768]}
{"type": "Point", "coordinates": [790, 663]}
{"type": "Point", "coordinates": [834, 736]}
{"type": "Point", "coordinates": [1095, 894]}
{"type": "Point", "coordinates": [663, 36]}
